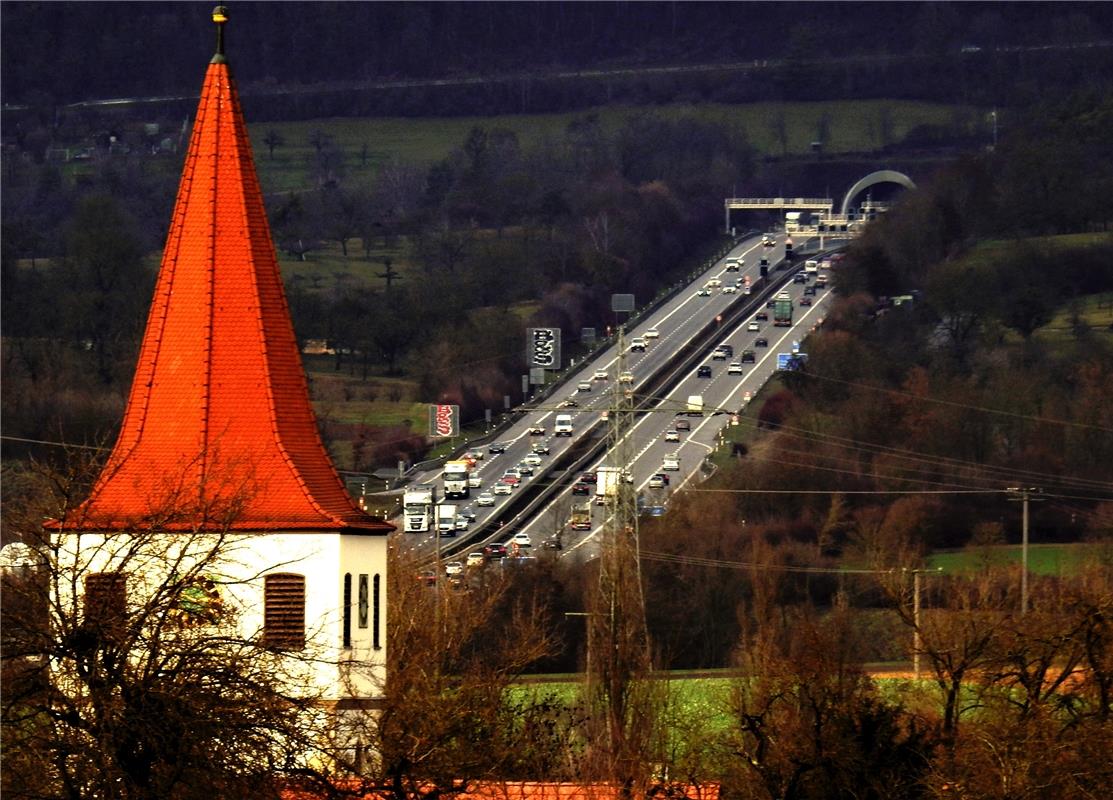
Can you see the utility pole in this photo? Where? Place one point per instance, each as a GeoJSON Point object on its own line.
{"type": "Point", "coordinates": [1023, 494]}
{"type": "Point", "coordinates": [917, 640]}
{"type": "Point", "coordinates": [618, 639]}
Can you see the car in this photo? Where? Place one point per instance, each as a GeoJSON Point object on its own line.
{"type": "Point", "coordinates": [581, 488]}
{"type": "Point", "coordinates": [753, 326]}
{"type": "Point", "coordinates": [537, 430]}
{"type": "Point", "coordinates": [599, 375]}
{"type": "Point", "coordinates": [748, 357]}
{"type": "Point", "coordinates": [703, 292]}
{"type": "Point", "coordinates": [540, 448]}
{"type": "Point", "coordinates": [485, 499]}
{"type": "Point", "coordinates": [655, 482]}
{"type": "Point", "coordinates": [468, 513]}
{"type": "Point", "coordinates": [588, 477]}
{"type": "Point", "coordinates": [503, 488]}
{"type": "Point", "coordinates": [672, 436]}
{"type": "Point", "coordinates": [524, 469]}
{"type": "Point", "coordinates": [532, 460]}
{"type": "Point", "coordinates": [671, 463]}
{"type": "Point", "coordinates": [809, 291]}
{"type": "Point", "coordinates": [495, 550]}
{"type": "Point", "coordinates": [569, 403]}
{"type": "Point", "coordinates": [552, 544]}
{"type": "Point", "coordinates": [474, 480]}
{"type": "Point", "coordinates": [652, 333]}
{"type": "Point", "coordinates": [626, 377]}
{"type": "Point", "coordinates": [454, 568]}
{"type": "Point", "coordinates": [768, 241]}
{"type": "Point", "coordinates": [714, 283]}
{"type": "Point", "coordinates": [496, 447]}
{"type": "Point", "coordinates": [730, 290]}
{"type": "Point", "coordinates": [427, 577]}
{"type": "Point", "coordinates": [805, 301]}
{"type": "Point", "coordinates": [761, 316]}
{"type": "Point", "coordinates": [761, 341]}
{"type": "Point", "coordinates": [727, 348]}
{"type": "Point", "coordinates": [461, 522]}
{"type": "Point", "coordinates": [683, 425]}
{"type": "Point", "coordinates": [800, 277]}
{"type": "Point", "coordinates": [511, 476]}
{"type": "Point", "coordinates": [719, 354]}
{"type": "Point", "coordinates": [475, 559]}
{"type": "Point", "coordinates": [522, 540]}
{"type": "Point", "coordinates": [703, 372]}
{"type": "Point", "coordinates": [733, 266]}
{"type": "Point", "coordinates": [583, 386]}
{"type": "Point", "coordinates": [734, 368]}
{"type": "Point", "coordinates": [476, 454]}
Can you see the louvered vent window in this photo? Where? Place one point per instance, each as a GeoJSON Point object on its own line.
{"type": "Point", "coordinates": [284, 611]}
{"type": "Point", "coordinates": [105, 601]}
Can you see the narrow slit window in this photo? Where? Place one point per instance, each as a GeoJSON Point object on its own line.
{"type": "Point", "coordinates": [375, 616]}
{"type": "Point", "coordinates": [347, 610]}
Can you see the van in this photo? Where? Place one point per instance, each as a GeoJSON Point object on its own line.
{"type": "Point", "coordinates": [563, 425]}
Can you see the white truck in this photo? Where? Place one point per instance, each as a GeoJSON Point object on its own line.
{"type": "Point", "coordinates": [446, 519]}
{"type": "Point", "coordinates": [695, 405]}
{"type": "Point", "coordinates": [456, 484]}
{"type": "Point", "coordinates": [563, 425]}
{"type": "Point", "coordinates": [417, 508]}
{"type": "Point", "coordinates": [811, 267]}
{"type": "Point", "coordinates": [606, 483]}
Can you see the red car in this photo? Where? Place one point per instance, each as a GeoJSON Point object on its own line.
{"type": "Point", "coordinates": [581, 488]}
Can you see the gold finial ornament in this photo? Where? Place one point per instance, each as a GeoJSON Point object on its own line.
{"type": "Point", "coordinates": [220, 17]}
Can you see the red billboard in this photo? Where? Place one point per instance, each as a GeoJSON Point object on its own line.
{"type": "Point", "coordinates": [444, 420]}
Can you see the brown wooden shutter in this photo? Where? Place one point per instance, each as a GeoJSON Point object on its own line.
{"type": "Point", "coordinates": [284, 611]}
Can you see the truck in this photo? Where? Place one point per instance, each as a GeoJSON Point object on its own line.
{"type": "Point", "coordinates": [456, 483]}
{"type": "Point", "coordinates": [811, 267]}
{"type": "Point", "coordinates": [782, 310]}
{"type": "Point", "coordinates": [563, 425]}
{"type": "Point", "coordinates": [606, 483]}
{"type": "Point", "coordinates": [417, 508]}
{"type": "Point", "coordinates": [446, 519]}
{"type": "Point", "coordinates": [695, 405]}
{"type": "Point", "coordinates": [581, 517]}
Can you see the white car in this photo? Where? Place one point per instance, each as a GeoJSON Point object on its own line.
{"type": "Point", "coordinates": [672, 436]}
{"type": "Point", "coordinates": [626, 377]}
{"type": "Point", "coordinates": [652, 333]}
{"type": "Point", "coordinates": [730, 290]}
{"type": "Point", "coordinates": [501, 488]}
{"type": "Point", "coordinates": [522, 540]}
{"type": "Point", "coordinates": [454, 568]}
{"type": "Point", "coordinates": [583, 386]}
{"type": "Point", "coordinates": [485, 499]}
{"type": "Point", "coordinates": [734, 368]}
{"type": "Point", "coordinates": [768, 241]}
{"type": "Point", "coordinates": [657, 482]}
{"type": "Point", "coordinates": [714, 283]}
{"type": "Point", "coordinates": [474, 481]}
{"type": "Point", "coordinates": [704, 292]}
{"type": "Point", "coordinates": [475, 560]}
{"type": "Point", "coordinates": [532, 460]}
{"type": "Point", "coordinates": [461, 522]}
{"type": "Point", "coordinates": [600, 375]}
{"type": "Point", "coordinates": [753, 326]}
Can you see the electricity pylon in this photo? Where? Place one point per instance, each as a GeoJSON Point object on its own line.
{"type": "Point", "coordinates": [618, 642]}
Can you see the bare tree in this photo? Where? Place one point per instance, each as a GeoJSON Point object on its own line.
{"type": "Point", "coordinates": [134, 680]}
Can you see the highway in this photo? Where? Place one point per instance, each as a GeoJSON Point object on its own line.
{"type": "Point", "coordinates": [647, 448]}
{"type": "Point", "coordinates": [676, 322]}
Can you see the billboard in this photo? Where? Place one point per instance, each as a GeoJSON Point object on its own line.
{"type": "Point", "coordinates": [543, 347]}
{"type": "Point", "coordinates": [444, 420]}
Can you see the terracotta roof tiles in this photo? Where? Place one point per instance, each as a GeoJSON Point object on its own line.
{"type": "Point", "coordinates": [218, 424]}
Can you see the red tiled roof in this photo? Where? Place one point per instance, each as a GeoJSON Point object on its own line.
{"type": "Point", "coordinates": [219, 412]}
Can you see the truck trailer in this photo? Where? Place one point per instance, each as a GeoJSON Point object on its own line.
{"type": "Point", "coordinates": [782, 310]}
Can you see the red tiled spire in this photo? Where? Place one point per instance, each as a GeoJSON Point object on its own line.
{"type": "Point", "coordinates": [218, 424]}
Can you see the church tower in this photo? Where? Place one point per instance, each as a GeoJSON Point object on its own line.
{"type": "Point", "coordinates": [219, 434]}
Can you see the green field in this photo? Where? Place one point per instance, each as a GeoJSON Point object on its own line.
{"type": "Point", "coordinates": [1043, 559]}
{"type": "Point", "coordinates": [853, 127]}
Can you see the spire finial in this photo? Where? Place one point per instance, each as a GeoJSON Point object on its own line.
{"type": "Point", "coordinates": [220, 17]}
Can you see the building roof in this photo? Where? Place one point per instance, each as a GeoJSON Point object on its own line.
{"type": "Point", "coordinates": [219, 430]}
